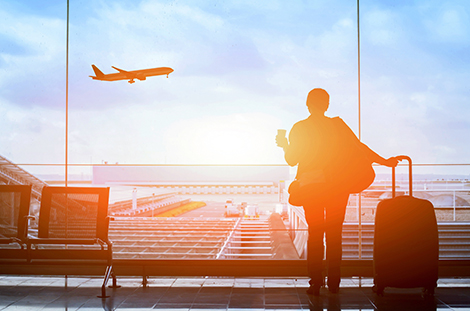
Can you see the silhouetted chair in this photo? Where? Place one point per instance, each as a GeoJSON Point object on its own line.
{"type": "Point", "coordinates": [14, 210]}
{"type": "Point", "coordinates": [73, 229]}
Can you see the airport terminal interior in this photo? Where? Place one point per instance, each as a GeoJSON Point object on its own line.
{"type": "Point", "coordinates": [160, 185]}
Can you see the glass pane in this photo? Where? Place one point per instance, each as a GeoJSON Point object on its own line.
{"type": "Point", "coordinates": [9, 209]}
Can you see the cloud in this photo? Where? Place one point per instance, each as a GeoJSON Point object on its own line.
{"type": "Point", "coordinates": [447, 22]}
{"type": "Point", "coordinates": [202, 46]}
{"type": "Point", "coordinates": [9, 47]}
{"type": "Point", "coordinates": [32, 134]}
{"type": "Point", "coordinates": [233, 61]}
{"type": "Point", "coordinates": [32, 65]}
{"type": "Point", "coordinates": [383, 27]}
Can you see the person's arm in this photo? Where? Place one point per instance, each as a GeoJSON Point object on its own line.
{"type": "Point", "coordinates": [371, 154]}
{"type": "Point", "coordinates": [290, 147]}
{"type": "Point", "coordinates": [376, 158]}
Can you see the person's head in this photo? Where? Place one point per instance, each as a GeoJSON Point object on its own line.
{"type": "Point", "coordinates": [318, 101]}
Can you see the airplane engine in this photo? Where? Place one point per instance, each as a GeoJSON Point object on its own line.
{"type": "Point", "coordinates": [141, 78]}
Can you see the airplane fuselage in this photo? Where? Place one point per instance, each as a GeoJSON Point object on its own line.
{"type": "Point", "coordinates": [130, 75]}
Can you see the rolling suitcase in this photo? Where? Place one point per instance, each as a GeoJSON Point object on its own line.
{"type": "Point", "coordinates": [406, 244]}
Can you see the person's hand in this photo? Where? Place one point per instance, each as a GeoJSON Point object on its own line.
{"type": "Point", "coordinates": [391, 162]}
{"type": "Point", "coordinates": [281, 141]}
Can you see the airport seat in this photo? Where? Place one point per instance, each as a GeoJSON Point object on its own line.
{"type": "Point", "coordinates": [73, 229]}
{"type": "Point", "coordinates": [14, 210]}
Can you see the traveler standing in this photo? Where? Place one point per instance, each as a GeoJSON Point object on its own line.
{"type": "Point", "coordinates": [316, 145]}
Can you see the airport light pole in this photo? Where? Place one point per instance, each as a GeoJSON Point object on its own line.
{"type": "Point", "coordinates": [67, 100]}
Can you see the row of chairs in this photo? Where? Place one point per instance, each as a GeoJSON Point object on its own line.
{"type": "Point", "coordinates": [71, 228]}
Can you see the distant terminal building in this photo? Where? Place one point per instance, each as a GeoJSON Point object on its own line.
{"type": "Point", "coordinates": [197, 179]}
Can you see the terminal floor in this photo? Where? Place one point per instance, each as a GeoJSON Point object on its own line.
{"type": "Point", "coordinates": [57, 293]}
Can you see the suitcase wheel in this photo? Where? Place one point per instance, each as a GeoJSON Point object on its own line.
{"type": "Point", "coordinates": [378, 290]}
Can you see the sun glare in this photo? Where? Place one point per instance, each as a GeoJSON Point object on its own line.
{"type": "Point", "coordinates": [228, 140]}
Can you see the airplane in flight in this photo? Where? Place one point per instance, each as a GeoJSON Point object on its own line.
{"type": "Point", "coordinates": [131, 75]}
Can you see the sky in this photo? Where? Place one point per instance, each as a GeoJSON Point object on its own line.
{"type": "Point", "coordinates": [242, 70]}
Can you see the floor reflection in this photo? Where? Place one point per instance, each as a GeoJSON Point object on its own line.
{"type": "Point", "coordinates": [44, 293]}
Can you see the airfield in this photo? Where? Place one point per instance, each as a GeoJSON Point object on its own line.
{"type": "Point", "coordinates": [267, 203]}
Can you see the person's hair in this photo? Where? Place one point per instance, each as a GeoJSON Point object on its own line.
{"type": "Point", "coordinates": [319, 99]}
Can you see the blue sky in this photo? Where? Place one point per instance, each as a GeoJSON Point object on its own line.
{"type": "Point", "coordinates": [242, 70]}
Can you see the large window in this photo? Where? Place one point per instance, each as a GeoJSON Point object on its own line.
{"type": "Point", "coordinates": [242, 70]}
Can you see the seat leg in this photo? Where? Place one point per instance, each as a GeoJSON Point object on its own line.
{"type": "Point", "coordinates": [109, 270]}
{"type": "Point", "coordinates": [144, 281]}
{"type": "Point", "coordinates": [113, 275]}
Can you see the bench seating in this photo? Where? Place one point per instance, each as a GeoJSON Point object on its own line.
{"type": "Point", "coordinates": [72, 229]}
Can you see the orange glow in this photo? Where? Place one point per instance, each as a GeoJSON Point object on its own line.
{"type": "Point", "coordinates": [182, 209]}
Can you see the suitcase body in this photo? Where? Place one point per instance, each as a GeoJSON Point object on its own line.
{"type": "Point", "coordinates": [406, 243]}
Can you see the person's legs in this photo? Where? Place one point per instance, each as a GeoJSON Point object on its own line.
{"type": "Point", "coordinates": [335, 212]}
{"type": "Point", "coordinates": [314, 215]}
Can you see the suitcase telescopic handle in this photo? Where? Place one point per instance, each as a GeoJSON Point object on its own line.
{"type": "Point", "coordinates": [410, 173]}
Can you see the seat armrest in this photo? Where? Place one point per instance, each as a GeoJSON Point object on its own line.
{"type": "Point", "coordinates": [18, 241]}
{"type": "Point", "coordinates": [103, 243]}
{"type": "Point", "coordinates": [26, 220]}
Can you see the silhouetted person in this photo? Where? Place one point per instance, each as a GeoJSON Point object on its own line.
{"type": "Point", "coordinates": [314, 145]}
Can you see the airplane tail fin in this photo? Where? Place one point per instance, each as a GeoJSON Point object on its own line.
{"type": "Point", "coordinates": [98, 72]}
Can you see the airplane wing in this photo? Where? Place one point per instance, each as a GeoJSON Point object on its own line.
{"type": "Point", "coordinates": [131, 75]}
{"type": "Point", "coordinates": [120, 70]}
